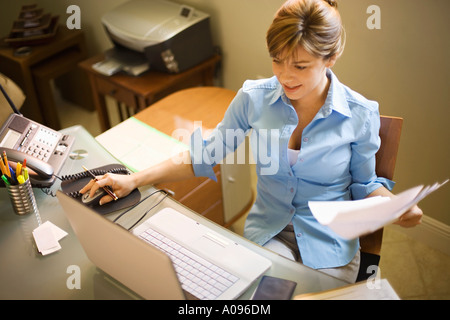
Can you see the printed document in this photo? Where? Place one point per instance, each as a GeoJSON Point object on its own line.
{"type": "Point", "coordinates": [351, 219]}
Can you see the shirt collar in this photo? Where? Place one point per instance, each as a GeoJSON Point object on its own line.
{"type": "Point", "coordinates": [336, 98]}
{"type": "Point", "coordinates": [278, 93]}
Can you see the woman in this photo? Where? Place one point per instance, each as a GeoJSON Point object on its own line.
{"type": "Point", "coordinates": [320, 136]}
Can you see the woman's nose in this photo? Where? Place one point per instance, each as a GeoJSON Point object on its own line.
{"type": "Point", "coordinates": [285, 75]}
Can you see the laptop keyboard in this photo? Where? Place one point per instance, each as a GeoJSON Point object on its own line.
{"type": "Point", "coordinates": [197, 276]}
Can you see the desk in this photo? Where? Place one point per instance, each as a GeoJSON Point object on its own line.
{"type": "Point", "coordinates": [139, 92]}
{"type": "Point", "coordinates": [34, 72]}
{"type": "Point", "coordinates": [25, 274]}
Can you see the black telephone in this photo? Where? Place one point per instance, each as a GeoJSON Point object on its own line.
{"type": "Point", "coordinates": [45, 149]}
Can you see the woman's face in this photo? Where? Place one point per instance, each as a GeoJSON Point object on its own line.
{"type": "Point", "coordinates": [302, 75]}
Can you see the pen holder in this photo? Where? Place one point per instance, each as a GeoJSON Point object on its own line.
{"type": "Point", "coordinates": [22, 198]}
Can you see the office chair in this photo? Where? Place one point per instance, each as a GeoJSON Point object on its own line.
{"type": "Point", "coordinates": [15, 94]}
{"type": "Point", "coordinates": [386, 157]}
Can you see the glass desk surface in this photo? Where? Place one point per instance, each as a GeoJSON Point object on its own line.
{"type": "Point", "coordinates": [26, 274]}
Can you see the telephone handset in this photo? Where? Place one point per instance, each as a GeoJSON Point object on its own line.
{"type": "Point", "coordinates": [45, 149]}
{"type": "Point", "coordinates": [41, 168]}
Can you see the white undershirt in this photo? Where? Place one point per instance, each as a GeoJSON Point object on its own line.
{"type": "Point", "coordinates": [292, 156]}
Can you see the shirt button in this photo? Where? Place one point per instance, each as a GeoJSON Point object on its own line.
{"type": "Point", "coordinates": [302, 160]}
{"type": "Point", "coordinates": [299, 235]}
{"type": "Point", "coordinates": [292, 190]}
{"type": "Point", "coordinates": [305, 139]}
{"type": "Point", "coordinates": [292, 211]}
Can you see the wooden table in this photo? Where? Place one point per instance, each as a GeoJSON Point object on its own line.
{"type": "Point", "coordinates": [139, 92]}
{"type": "Point", "coordinates": [232, 190]}
{"type": "Point", "coordinates": [35, 71]}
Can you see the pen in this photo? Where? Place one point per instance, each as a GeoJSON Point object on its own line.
{"type": "Point", "coordinates": [5, 179]}
{"type": "Point", "coordinates": [12, 174]}
{"type": "Point", "coordinates": [107, 190]}
{"type": "Point", "coordinates": [18, 169]}
{"type": "Point", "coordinates": [20, 179]}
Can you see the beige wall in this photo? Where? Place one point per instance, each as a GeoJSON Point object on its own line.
{"type": "Point", "coordinates": [404, 66]}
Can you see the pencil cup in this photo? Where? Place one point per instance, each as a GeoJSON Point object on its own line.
{"type": "Point", "coordinates": [22, 198]}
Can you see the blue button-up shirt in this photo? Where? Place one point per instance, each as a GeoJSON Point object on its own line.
{"type": "Point", "coordinates": [336, 162]}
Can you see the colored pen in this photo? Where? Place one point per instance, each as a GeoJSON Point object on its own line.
{"type": "Point", "coordinates": [107, 190]}
{"type": "Point", "coordinates": [20, 179]}
{"type": "Point", "coordinates": [18, 169]}
{"type": "Point", "coordinates": [12, 174]}
{"type": "Point", "coordinates": [25, 172]}
{"type": "Point", "coordinates": [5, 179]}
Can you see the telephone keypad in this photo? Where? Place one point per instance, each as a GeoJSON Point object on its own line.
{"type": "Point", "coordinates": [40, 143]}
{"type": "Point", "coordinates": [39, 151]}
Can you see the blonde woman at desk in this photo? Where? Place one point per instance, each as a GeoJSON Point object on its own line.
{"type": "Point", "coordinates": [322, 138]}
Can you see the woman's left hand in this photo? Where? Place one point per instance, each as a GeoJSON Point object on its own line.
{"type": "Point", "coordinates": [411, 218]}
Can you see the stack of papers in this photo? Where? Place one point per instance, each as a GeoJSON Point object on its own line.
{"type": "Point", "coordinates": [352, 219]}
{"type": "Point", "coordinates": [47, 237]}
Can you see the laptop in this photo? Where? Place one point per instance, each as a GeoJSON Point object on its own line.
{"type": "Point", "coordinates": [165, 256]}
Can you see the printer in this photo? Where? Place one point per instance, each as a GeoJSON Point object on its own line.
{"type": "Point", "coordinates": [158, 34]}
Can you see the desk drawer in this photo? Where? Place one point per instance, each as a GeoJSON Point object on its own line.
{"type": "Point", "coordinates": [206, 199]}
{"type": "Point", "coordinates": [107, 88]}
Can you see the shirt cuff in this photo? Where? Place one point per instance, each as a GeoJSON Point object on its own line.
{"type": "Point", "coordinates": [361, 191]}
{"type": "Point", "coordinates": [197, 147]}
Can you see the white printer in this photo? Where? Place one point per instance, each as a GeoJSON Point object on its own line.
{"type": "Point", "coordinates": [169, 37]}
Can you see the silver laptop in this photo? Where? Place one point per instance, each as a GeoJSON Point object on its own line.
{"type": "Point", "coordinates": [168, 256]}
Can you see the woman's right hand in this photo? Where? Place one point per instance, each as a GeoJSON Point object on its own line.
{"type": "Point", "coordinates": [121, 185]}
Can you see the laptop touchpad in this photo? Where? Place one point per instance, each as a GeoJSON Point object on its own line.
{"type": "Point", "coordinates": [210, 243]}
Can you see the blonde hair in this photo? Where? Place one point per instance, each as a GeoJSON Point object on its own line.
{"type": "Point", "coordinates": [314, 24]}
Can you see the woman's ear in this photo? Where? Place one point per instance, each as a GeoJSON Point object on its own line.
{"type": "Point", "coordinates": [331, 61]}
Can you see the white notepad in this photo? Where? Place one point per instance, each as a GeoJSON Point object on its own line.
{"type": "Point", "coordinates": [138, 145]}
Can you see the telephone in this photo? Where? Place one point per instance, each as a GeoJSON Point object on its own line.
{"type": "Point", "coordinates": [45, 149]}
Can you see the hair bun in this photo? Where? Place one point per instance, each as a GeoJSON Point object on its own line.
{"type": "Point", "coordinates": [332, 3]}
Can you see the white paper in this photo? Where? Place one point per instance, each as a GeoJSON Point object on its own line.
{"type": "Point", "coordinates": [351, 219]}
{"type": "Point", "coordinates": [139, 146]}
{"type": "Point", "coordinates": [47, 237]}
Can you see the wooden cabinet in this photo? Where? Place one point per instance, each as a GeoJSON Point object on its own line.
{"type": "Point", "coordinates": [137, 93]}
{"type": "Point", "coordinates": [34, 72]}
{"type": "Point", "coordinates": [113, 90]}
